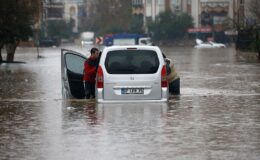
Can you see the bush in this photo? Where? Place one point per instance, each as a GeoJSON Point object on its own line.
{"type": "Point", "coordinates": [60, 29]}
{"type": "Point", "coordinates": [170, 26]}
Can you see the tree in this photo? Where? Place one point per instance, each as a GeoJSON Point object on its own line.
{"type": "Point", "coordinates": [170, 26]}
{"type": "Point", "coordinates": [107, 16]}
{"type": "Point", "coordinates": [136, 25]}
{"type": "Point", "coordinates": [60, 29]}
{"type": "Point", "coordinates": [17, 18]}
{"type": "Point", "coordinates": [253, 6]}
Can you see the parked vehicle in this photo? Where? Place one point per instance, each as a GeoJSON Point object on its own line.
{"type": "Point", "coordinates": [130, 74]}
{"type": "Point", "coordinates": [125, 74]}
{"type": "Point", "coordinates": [49, 42]}
{"type": "Point", "coordinates": [210, 44]}
{"type": "Point", "coordinates": [127, 39]}
{"type": "Point", "coordinates": [87, 38]}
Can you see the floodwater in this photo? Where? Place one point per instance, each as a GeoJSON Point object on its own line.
{"type": "Point", "coordinates": [217, 115]}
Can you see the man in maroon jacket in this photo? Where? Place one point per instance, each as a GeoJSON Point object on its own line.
{"type": "Point", "coordinates": [90, 71]}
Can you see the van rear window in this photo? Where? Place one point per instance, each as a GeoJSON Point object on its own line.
{"type": "Point", "coordinates": [132, 62]}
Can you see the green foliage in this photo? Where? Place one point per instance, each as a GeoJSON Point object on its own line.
{"type": "Point", "coordinates": [16, 20]}
{"type": "Point", "coordinates": [248, 39]}
{"type": "Point", "coordinates": [59, 29]}
{"type": "Point", "coordinates": [115, 29]}
{"type": "Point", "coordinates": [108, 16]}
{"type": "Point", "coordinates": [136, 25]}
{"type": "Point", "coordinates": [170, 26]}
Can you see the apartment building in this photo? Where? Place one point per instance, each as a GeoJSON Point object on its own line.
{"type": "Point", "coordinates": [53, 10]}
{"type": "Point", "coordinates": [205, 13]}
{"type": "Point", "coordinates": [68, 10]}
{"type": "Point", "coordinates": [73, 10]}
{"type": "Point", "coordinates": [243, 12]}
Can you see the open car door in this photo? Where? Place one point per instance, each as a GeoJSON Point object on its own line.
{"type": "Point", "coordinates": [72, 66]}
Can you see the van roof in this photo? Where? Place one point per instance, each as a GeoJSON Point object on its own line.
{"type": "Point", "coordinates": [132, 46]}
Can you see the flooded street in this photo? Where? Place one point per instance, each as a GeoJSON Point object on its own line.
{"type": "Point", "coordinates": [217, 115]}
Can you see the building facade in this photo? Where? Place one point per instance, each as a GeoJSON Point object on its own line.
{"type": "Point", "coordinates": [58, 10]}
{"type": "Point", "coordinates": [218, 14]}
{"type": "Point", "coordinates": [72, 12]}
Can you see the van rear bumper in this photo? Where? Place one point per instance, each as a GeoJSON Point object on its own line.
{"type": "Point", "coordinates": [132, 101]}
{"type": "Point", "coordinates": [164, 98]}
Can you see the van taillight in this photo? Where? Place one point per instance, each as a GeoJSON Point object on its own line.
{"type": "Point", "coordinates": [164, 82]}
{"type": "Point", "coordinates": [100, 78]}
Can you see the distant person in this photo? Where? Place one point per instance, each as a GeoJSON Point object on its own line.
{"type": "Point", "coordinates": [258, 43]}
{"type": "Point", "coordinates": [172, 77]}
{"type": "Point", "coordinates": [90, 70]}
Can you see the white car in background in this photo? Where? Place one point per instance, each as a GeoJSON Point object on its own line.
{"type": "Point", "coordinates": [210, 44]}
{"type": "Point", "coordinates": [87, 38]}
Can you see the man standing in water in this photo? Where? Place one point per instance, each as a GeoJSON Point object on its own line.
{"type": "Point", "coordinates": [90, 71]}
{"type": "Point", "coordinates": [172, 77]}
{"type": "Point", "coordinates": [258, 43]}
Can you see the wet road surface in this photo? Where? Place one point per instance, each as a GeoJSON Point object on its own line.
{"type": "Point", "coordinates": [217, 115]}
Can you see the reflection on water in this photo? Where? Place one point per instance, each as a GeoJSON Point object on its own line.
{"type": "Point", "coordinates": [217, 115]}
{"type": "Point", "coordinates": [88, 110]}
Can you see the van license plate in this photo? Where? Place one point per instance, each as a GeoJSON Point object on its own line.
{"type": "Point", "coordinates": [132, 90]}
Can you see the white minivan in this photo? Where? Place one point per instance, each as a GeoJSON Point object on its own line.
{"type": "Point", "coordinates": [134, 73]}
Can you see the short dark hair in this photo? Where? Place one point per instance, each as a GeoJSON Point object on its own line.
{"type": "Point", "coordinates": [93, 50]}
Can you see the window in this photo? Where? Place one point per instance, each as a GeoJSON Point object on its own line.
{"type": "Point", "coordinates": [74, 63]}
{"type": "Point", "coordinates": [137, 2]}
{"type": "Point", "coordinates": [72, 11]}
{"type": "Point", "coordinates": [161, 2]}
{"type": "Point", "coordinates": [132, 62]}
{"type": "Point", "coordinates": [55, 12]}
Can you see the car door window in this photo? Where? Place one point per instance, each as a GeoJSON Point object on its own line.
{"type": "Point", "coordinates": [74, 63]}
{"type": "Point", "coordinates": [132, 62]}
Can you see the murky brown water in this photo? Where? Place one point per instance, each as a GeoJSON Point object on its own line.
{"type": "Point", "coordinates": [217, 115]}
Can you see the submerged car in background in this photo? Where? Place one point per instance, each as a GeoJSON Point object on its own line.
{"type": "Point", "coordinates": [125, 74]}
{"type": "Point", "coordinates": [210, 44]}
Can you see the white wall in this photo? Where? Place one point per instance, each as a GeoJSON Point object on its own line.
{"type": "Point", "coordinates": [68, 14]}
{"type": "Point", "coordinates": [195, 11]}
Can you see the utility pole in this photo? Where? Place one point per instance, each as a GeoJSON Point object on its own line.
{"type": "Point", "coordinates": [144, 17]}
{"type": "Point", "coordinates": [40, 26]}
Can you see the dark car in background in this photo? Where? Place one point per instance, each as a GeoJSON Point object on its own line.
{"type": "Point", "coordinates": [49, 42]}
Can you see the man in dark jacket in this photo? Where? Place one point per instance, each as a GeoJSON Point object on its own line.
{"type": "Point", "coordinates": [90, 71]}
{"type": "Point", "coordinates": [172, 77]}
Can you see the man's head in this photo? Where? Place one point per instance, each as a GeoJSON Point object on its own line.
{"type": "Point", "coordinates": [94, 52]}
